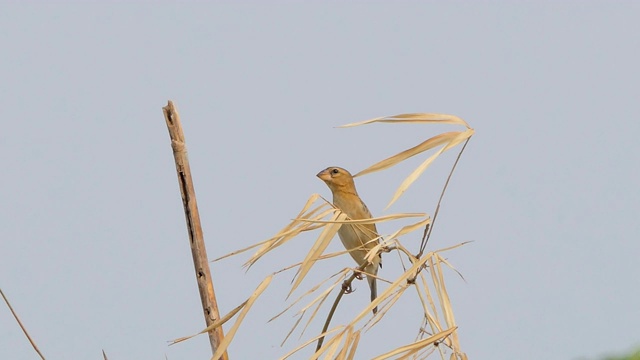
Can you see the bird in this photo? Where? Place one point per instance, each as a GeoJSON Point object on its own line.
{"type": "Point", "coordinates": [358, 239]}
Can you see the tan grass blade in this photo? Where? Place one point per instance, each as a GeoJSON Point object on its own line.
{"type": "Point", "coordinates": [329, 344]}
{"type": "Point", "coordinates": [227, 317]}
{"type": "Point", "coordinates": [329, 353]}
{"type": "Point", "coordinates": [323, 257]}
{"type": "Point", "coordinates": [436, 277]}
{"type": "Point", "coordinates": [352, 338]}
{"type": "Point", "coordinates": [240, 251]}
{"type": "Point", "coordinates": [446, 301]}
{"type": "Point", "coordinates": [434, 280]}
{"type": "Point", "coordinates": [322, 297]}
{"type": "Point", "coordinates": [289, 231]}
{"type": "Point", "coordinates": [364, 221]}
{"type": "Point", "coordinates": [319, 300]}
{"type": "Point", "coordinates": [429, 306]}
{"type": "Point", "coordinates": [413, 118]}
{"type": "Point", "coordinates": [398, 283]}
{"type": "Point", "coordinates": [438, 283]}
{"type": "Point", "coordinates": [316, 251]}
{"type": "Point", "coordinates": [286, 235]}
{"type": "Point", "coordinates": [224, 344]}
{"type": "Point", "coordinates": [354, 346]}
{"type": "Point", "coordinates": [416, 346]}
{"type": "Point", "coordinates": [312, 316]}
{"type": "Point", "coordinates": [385, 307]}
{"type": "Point", "coordinates": [341, 275]}
{"type": "Point", "coordinates": [399, 247]}
{"type": "Point", "coordinates": [312, 199]}
{"type": "Point", "coordinates": [452, 267]}
{"type": "Point", "coordinates": [373, 252]}
{"type": "Point", "coordinates": [431, 313]}
{"type": "Point", "coordinates": [410, 228]}
{"type": "Point", "coordinates": [310, 341]}
{"type": "Point", "coordinates": [404, 155]}
{"type": "Point", "coordinates": [452, 247]}
{"type": "Point", "coordinates": [293, 328]}
{"type": "Point", "coordinates": [216, 323]}
{"type": "Point", "coordinates": [460, 137]}
{"type": "Point", "coordinates": [422, 354]}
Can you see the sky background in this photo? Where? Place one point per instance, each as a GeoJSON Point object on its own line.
{"type": "Point", "coordinates": [94, 252]}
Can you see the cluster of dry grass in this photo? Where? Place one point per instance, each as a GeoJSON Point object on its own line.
{"type": "Point", "coordinates": [422, 272]}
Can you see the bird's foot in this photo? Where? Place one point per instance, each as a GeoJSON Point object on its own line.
{"type": "Point", "coordinates": [346, 287]}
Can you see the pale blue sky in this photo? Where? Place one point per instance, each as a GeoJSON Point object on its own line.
{"type": "Point", "coordinates": [94, 253]}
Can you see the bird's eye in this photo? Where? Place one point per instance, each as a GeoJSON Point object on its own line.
{"type": "Point", "coordinates": [335, 171]}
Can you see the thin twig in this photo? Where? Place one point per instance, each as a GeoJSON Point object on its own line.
{"type": "Point", "coordinates": [345, 285]}
{"type": "Point", "coordinates": [194, 228]}
{"type": "Point", "coordinates": [24, 330]}
{"type": "Point", "coordinates": [428, 229]}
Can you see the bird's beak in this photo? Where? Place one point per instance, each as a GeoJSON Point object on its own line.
{"type": "Point", "coordinates": [324, 175]}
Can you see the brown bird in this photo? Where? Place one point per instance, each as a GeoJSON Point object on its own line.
{"type": "Point", "coordinates": [358, 239]}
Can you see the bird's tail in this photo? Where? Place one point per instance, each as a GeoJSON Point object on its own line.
{"type": "Point", "coordinates": [373, 285]}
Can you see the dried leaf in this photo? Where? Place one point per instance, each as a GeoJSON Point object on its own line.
{"type": "Point", "coordinates": [419, 118]}
{"type": "Point", "coordinates": [354, 346]}
{"type": "Point", "coordinates": [318, 247]}
{"type": "Point", "coordinates": [416, 346]}
{"type": "Point", "coordinates": [404, 155]}
{"type": "Point", "coordinates": [295, 228]}
{"type": "Point", "coordinates": [224, 344]}
{"type": "Point", "coordinates": [312, 340]}
{"type": "Point", "coordinates": [409, 228]}
{"type": "Point", "coordinates": [397, 284]}
{"type": "Point", "coordinates": [461, 136]}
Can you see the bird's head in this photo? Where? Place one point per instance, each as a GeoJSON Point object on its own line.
{"type": "Point", "coordinates": [337, 179]}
